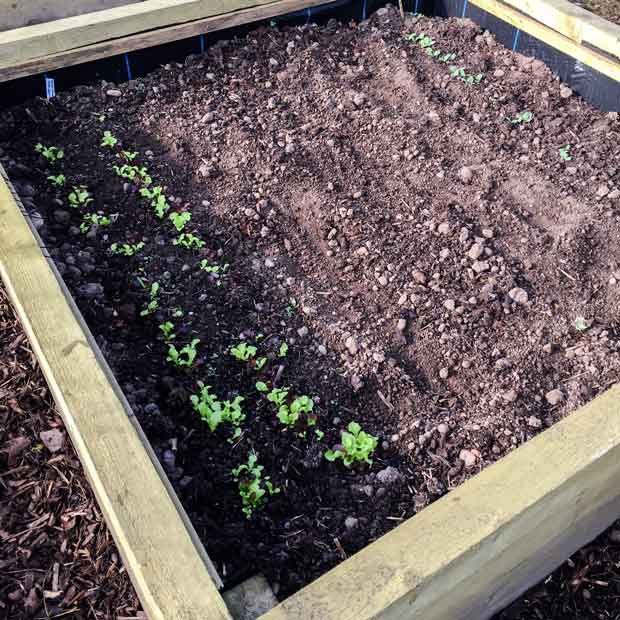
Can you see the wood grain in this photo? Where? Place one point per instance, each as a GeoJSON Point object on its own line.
{"type": "Point", "coordinates": [574, 22]}
{"type": "Point", "coordinates": [160, 551]}
{"type": "Point", "coordinates": [32, 42]}
{"type": "Point", "coordinates": [11, 69]}
{"type": "Point", "coordinates": [471, 553]}
{"type": "Point", "coordinates": [600, 62]}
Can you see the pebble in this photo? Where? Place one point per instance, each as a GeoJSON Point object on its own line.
{"type": "Point", "coordinates": [378, 357]}
{"type": "Point", "coordinates": [90, 290]}
{"type": "Point", "coordinates": [359, 99]}
{"type": "Point", "coordinates": [468, 457]}
{"type": "Point", "coordinates": [510, 396]}
{"type": "Point", "coordinates": [554, 397]}
{"type": "Point", "coordinates": [480, 266]}
{"type": "Point", "coordinates": [113, 92]}
{"type": "Point", "coordinates": [449, 304]}
{"type": "Point", "coordinates": [487, 233]}
{"type": "Point", "coordinates": [302, 331]}
{"type": "Point", "coordinates": [518, 295]}
{"type": "Point", "coordinates": [351, 523]}
{"type": "Point", "coordinates": [401, 325]}
{"type": "Point", "coordinates": [443, 373]}
{"type": "Point", "coordinates": [322, 349]}
{"type": "Point", "coordinates": [388, 476]}
{"type": "Point", "coordinates": [565, 92]}
{"type": "Point", "coordinates": [62, 217]}
{"type": "Point", "coordinates": [269, 263]}
{"type": "Point", "coordinates": [602, 191]}
{"type": "Point", "coordinates": [443, 428]}
{"type": "Point", "coordinates": [351, 344]}
{"type": "Point", "coordinates": [419, 277]}
{"type": "Point", "coordinates": [465, 174]}
{"type": "Point", "coordinates": [443, 228]}
{"type": "Point", "coordinates": [37, 220]}
{"type": "Point", "coordinates": [534, 422]}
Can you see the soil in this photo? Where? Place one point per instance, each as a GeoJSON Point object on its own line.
{"type": "Point", "coordinates": [609, 9]}
{"type": "Point", "coordinates": [57, 558]}
{"type": "Point", "coordinates": [425, 259]}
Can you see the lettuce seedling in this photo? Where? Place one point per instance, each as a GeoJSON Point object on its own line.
{"type": "Point", "coordinates": [565, 153]}
{"type": "Point", "coordinates": [126, 249]}
{"type": "Point", "coordinates": [356, 447]}
{"type": "Point", "coordinates": [159, 202]}
{"type": "Point", "coordinates": [93, 219]}
{"type": "Point", "coordinates": [205, 265]}
{"type": "Point", "coordinates": [459, 72]}
{"type": "Point", "coordinates": [153, 303]}
{"type": "Point", "coordinates": [581, 325]}
{"type": "Point", "coordinates": [108, 139]}
{"type": "Point", "coordinates": [253, 488]}
{"type": "Point", "coordinates": [189, 241]}
{"type": "Point", "coordinates": [129, 155]}
{"type": "Point", "coordinates": [133, 173]}
{"type": "Point", "coordinates": [214, 411]}
{"type": "Point", "coordinates": [185, 357]}
{"type": "Point", "coordinates": [180, 219]}
{"type": "Point", "coordinates": [57, 180]}
{"type": "Point", "coordinates": [283, 351]}
{"type": "Point", "coordinates": [79, 197]}
{"type": "Point", "coordinates": [167, 329]}
{"type": "Point", "coordinates": [51, 153]}
{"type": "Point", "coordinates": [295, 413]}
{"type": "Point", "coordinates": [243, 352]}
{"type": "Point", "coordinates": [523, 117]}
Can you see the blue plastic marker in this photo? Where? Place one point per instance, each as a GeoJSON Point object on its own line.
{"type": "Point", "coordinates": [127, 66]}
{"type": "Point", "coordinates": [364, 10]}
{"type": "Point", "coordinates": [202, 44]}
{"type": "Point", "coordinates": [417, 6]}
{"type": "Point", "coordinates": [50, 86]}
{"type": "Point", "coordinates": [465, 8]}
{"type": "Point", "coordinates": [516, 40]}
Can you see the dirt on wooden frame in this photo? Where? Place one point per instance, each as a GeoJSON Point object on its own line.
{"type": "Point", "coordinates": [435, 238]}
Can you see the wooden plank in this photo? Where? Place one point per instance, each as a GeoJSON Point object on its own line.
{"type": "Point", "coordinates": [160, 550]}
{"type": "Point", "coordinates": [475, 550]}
{"type": "Point", "coordinates": [574, 22]}
{"type": "Point", "coordinates": [600, 62]}
{"type": "Point", "coordinates": [17, 14]}
{"type": "Point", "coordinates": [70, 33]}
{"type": "Point", "coordinates": [149, 39]}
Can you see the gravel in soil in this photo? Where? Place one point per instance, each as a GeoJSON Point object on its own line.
{"type": "Point", "coordinates": [57, 558]}
{"type": "Point", "coordinates": [442, 265]}
{"type": "Point", "coordinates": [609, 9]}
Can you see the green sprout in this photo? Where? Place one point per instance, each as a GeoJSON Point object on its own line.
{"type": "Point", "coordinates": [523, 117]}
{"type": "Point", "coordinates": [214, 412]}
{"type": "Point", "coordinates": [425, 41]}
{"type": "Point", "coordinates": [79, 197]}
{"type": "Point", "coordinates": [565, 153]}
{"type": "Point", "coordinates": [243, 352]}
{"type": "Point", "coordinates": [356, 447]}
{"type": "Point", "coordinates": [205, 265]}
{"type": "Point", "coordinates": [283, 351]}
{"type": "Point", "coordinates": [159, 202]}
{"type": "Point", "coordinates": [167, 329]}
{"type": "Point", "coordinates": [177, 313]}
{"type": "Point", "coordinates": [51, 153]}
{"type": "Point", "coordinates": [253, 488]}
{"type": "Point", "coordinates": [185, 357]}
{"type": "Point", "coordinates": [129, 155]}
{"type": "Point", "coordinates": [108, 139]}
{"type": "Point", "coordinates": [581, 325]}
{"type": "Point", "coordinates": [126, 249]}
{"type": "Point", "coordinates": [296, 413]}
{"type": "Point", "coordinates": [133, 173]}
{"type": "Point", "coordinates": [57, 180]}
{"type": "Point", "coordinates": [180, 219]}
{"type": "Point", "coordinates": [449, 57]}
{"type": "Point", "coordinates": [153, 303]}
{"type": "Point", "coordinates": [93, 219]}
{"type": "Point", "coordinates": [189, 241]}
{"type": "Point", "coordinates": [459, 72]}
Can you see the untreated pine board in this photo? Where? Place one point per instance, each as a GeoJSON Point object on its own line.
{"type": "Point", "coordinates": [17, 14]}
{"type": "Point", "coordinates": [573, 22]}
{"type": "Point", "coordinates": [70, 33]}
{"type": "Point", "coordinates": [149, 39]}
{"type": "Point", "coordinates": [159, 552]}
{"type": "Point", "coordinates": [475, 550]}
{"type": "Point", "coordinates": [600, 62]}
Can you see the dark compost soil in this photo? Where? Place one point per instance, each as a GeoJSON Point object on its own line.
{"type": "Point", "coordinates": [57, 558]}
{"type": "Point", "coordinates": [424, 258]}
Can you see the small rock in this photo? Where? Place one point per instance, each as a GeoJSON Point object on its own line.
{"type": "Point", "coordinates": [465, 174]}
{"type": "Point", "coordinates": [614, 194]}
{"type": "Point", "coordinates": [443, 428]}
{"type": "Point", "coordinates": [388, 476]}
{"type": "Point", "coordinates": [534, 422]}
{"type": "Point", "coordinates": [91, 290]}
{"type": "Point", "coordinates": [510, 396]}
{"type": "Point", "coordinates": [476, 251]}
{"type": "Point", "coordinates": [443, 373]}
{"type": "Point", "coordinates": [468, 457]}
{"type": "Point", "coordinates": [518, 295]}
{"type": "Point", "coordinates": [351, 344]}
{"type": "Point", "coordinates": [443, 228]}
{"type": "Point", "coordinates": [449, 304]}
{"type": "Point", "coordinates": [565, 92]}
{"type": "Point", "coordinates": [419, 277]}
{"type": "Point", "coordinates": [401, 325]}
{"type": "Point", "coordinates": [269, 263]}
{"type": "Point", "coordinates": [554, 397]}
{"type": "Point", "coordinates": [602, 191]}
{"type": "Point", "coordinates": [351, 523]}
{"type": "Point", "coordinates": [480, 266]}
{"type": "Point", "coordinates": [359, 99]}
{"type": "Point", "coordinates": [113, 92]}
{"type": "Point", "coordinates": [487, 233]}
{"type": "Point", "coordinates": [53, 439]}
{"type": "Point", "coordinates": [302, 331]}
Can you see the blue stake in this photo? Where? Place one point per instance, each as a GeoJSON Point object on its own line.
{"type": "Point", "coordinates": [516, 40]}
{"type": "Point", "coordinates": [127, 67]}
{"type": "Point", "coordinates": [465, 8]}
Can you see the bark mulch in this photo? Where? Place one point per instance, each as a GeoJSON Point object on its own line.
{"type": "Point", "coordinates": [57, 558]}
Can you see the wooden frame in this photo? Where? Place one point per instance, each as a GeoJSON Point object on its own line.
{"type": "Point", "coordinates": [465, 556]}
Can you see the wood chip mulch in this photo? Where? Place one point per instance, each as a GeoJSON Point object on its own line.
{"type": "Point", "coordinates": [57, 558]}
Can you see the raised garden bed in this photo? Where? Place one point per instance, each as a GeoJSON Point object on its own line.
{"type": "Point", "coordinates": [440, 258]}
